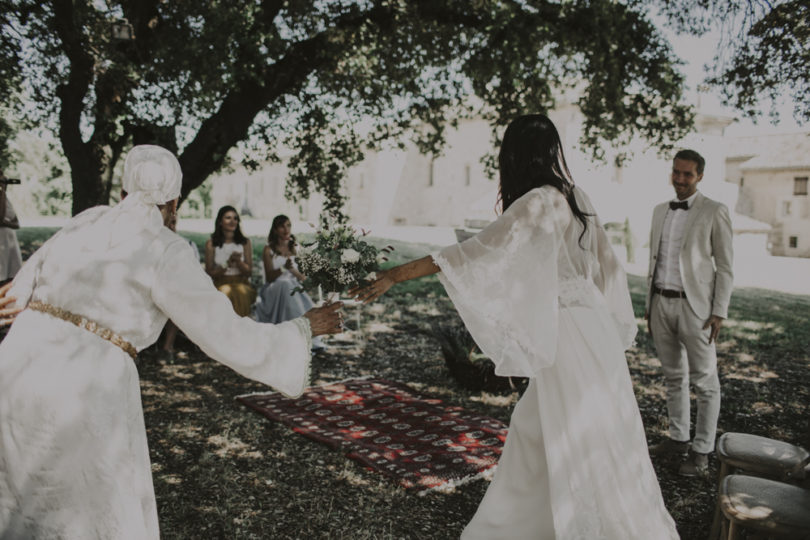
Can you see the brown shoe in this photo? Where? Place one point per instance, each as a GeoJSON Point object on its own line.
{"type": "Point", "coordinates": [696, 464]}
{"type": "Point", "coordinates": [670, 447]}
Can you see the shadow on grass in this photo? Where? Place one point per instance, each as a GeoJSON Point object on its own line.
{"type": "Point", "coordinates": [223, 472]}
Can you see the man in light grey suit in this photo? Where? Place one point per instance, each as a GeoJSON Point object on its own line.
{"type": "Point", "coordinates": [689, 288]}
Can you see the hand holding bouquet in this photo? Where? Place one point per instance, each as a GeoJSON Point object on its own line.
{"type": "Point", "coordinates": [340, 259]}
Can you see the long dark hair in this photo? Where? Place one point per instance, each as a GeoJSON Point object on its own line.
{"type": "Point", "coordinates": [218, 237]}
{"type": "Point", "coordinates": [272, 237]}
{"type": "Point", "coordinates": [532, 156]}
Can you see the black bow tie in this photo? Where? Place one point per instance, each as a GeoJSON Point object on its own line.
{"type": "Point", "coordinates": [683, 205]}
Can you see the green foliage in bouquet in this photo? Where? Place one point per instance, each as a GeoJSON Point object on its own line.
{"type": "Point", "coordinates": [339, 259]}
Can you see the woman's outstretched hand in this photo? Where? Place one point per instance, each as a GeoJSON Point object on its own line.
{"type": "Point", "coordinates": [388, 278]}
{"type": "Point", "coordinates": [7, 315]}
{"type": "Point", "coordinates": [326, 319]}
{"type": "Point", "coordinates": [375, 289]}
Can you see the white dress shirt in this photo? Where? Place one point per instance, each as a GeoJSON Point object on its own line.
{"type": "Point", "coordinates": [667, 267]}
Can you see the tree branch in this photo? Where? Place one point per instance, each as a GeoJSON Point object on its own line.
{"type": "Point", "coordinates": [230, 123]}
{"type": "Point", "coordinates": [142, 15]}
{"type": "Point", "coordinates": [270, 9]}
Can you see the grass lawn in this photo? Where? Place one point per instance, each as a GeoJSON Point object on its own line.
{"type": "Point", "coordinates": [222, 471]}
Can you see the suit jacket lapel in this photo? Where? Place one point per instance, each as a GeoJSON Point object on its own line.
{"type": "Point", "coordinates": [659, 214]}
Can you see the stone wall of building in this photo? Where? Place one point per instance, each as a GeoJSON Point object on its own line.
{"type": "Point", "coordinates": [769, 196]}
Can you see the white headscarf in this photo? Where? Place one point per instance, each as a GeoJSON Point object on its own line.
{"type": "Point", "coordinates": [152, 176]}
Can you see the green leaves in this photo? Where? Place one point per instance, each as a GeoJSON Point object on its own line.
{"type": "Point", "coordinates": [764, 52]}
{"type": "Point", "coordinates": [319, 82]}
{"type": "Point", "coordinates": [772, 60]}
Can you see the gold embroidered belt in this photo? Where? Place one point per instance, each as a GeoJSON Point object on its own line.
{"type": "Point", "coordinates": [87, 324]}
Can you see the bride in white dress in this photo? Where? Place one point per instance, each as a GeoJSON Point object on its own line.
{"type": "Point", "coordinates": [575, 464]}
{"type": "Point", "coordinates": [74, 462]}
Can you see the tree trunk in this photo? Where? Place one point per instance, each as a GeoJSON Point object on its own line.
{"type": "Point", "coordinates": [87, 177]}
{"type": "Point", "coordinates": [218, 134]}
{"type": "Point", "coordinates": [87, 161]}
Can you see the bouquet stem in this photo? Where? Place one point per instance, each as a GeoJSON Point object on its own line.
{"type": "Point", "coordinates": [328, 297]}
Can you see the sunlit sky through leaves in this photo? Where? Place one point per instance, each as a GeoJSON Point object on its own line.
{"type": "Point", "coordinates": [698, 53]}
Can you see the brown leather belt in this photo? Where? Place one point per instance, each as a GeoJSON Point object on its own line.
{"type": "Point", "coordinates": [669, 293]}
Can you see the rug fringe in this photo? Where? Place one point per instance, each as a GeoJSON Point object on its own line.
{"type": "Point", "coordinates": [364, 377]}
{"type": "Point", "coordinates": [451, 485]}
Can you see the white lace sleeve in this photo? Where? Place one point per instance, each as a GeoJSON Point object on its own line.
{"type": "Point", "coordinates": [503, 282]}
{"type": "Point", "coordinates": [612, 281]}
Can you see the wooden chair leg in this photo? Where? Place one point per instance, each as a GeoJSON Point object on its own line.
{"type": "Point", "coordinates": [716, 531]}
{"type": "Point", "coordinates": [733, 531]}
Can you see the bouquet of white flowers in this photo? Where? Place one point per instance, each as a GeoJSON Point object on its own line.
{"type": "Point", "coordinates": [340, 259]}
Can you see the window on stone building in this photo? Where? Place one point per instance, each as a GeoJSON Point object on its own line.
{"type": "Point", "coordinates": [793, 241]}
{"type": "Point", "coordinates": [785, 208]}
{"type": "Point", "coordinates": [467, 174]}
{"type": "Point", "coordinates": [800, 185]}
{"type": "Point", "coordinates": [431, 171]}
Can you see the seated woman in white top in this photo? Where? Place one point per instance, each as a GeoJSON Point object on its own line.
{"type": "Point", "coordinates": [229, 260]}
{"type": "Point", "coordinates": [278, 299]}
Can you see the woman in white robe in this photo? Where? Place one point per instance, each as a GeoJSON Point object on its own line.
{"type": "Point", "coordinates": [575, 463]}
{"type": "Point", "coordinates": [74, 462]}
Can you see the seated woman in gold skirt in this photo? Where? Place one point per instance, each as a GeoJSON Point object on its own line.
{"type": "Point", "coordinates": [229, 260]}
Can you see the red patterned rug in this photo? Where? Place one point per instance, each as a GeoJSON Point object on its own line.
{"type": "Point", "coordinates": [391, 428]}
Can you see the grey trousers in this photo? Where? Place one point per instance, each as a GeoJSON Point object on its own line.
{"type": "Point", "coordinates": [686, 357]}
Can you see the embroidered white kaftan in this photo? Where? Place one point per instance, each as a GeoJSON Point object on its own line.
{"type": "Point", "coordinates": [541, 303]}
{"type": "Point", "coordinates": [74, 462]}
